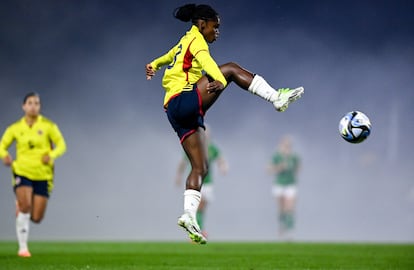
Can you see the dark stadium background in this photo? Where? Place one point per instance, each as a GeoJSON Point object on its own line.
{"type": "Point", "coordinates": [116, 181]}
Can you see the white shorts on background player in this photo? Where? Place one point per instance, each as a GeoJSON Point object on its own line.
{"type": "Point", "coordinates": [289, 191]}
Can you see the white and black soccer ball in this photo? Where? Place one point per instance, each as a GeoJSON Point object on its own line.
{"type": "Point", "coordinates": [355, 127]}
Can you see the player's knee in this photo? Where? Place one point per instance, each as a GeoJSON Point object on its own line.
{"type": "Point", "coordinates": [37, 219]}
{"type": "Point", "coordinates": [202, 170]}
{"type": "Point", "coordinates": [24, 208]}
{"type": "Point", "coordinates": [230, 68]}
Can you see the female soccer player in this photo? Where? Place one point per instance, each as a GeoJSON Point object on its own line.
{"type": "Point", "coordinates": [38, 143]}
{"type": "Point", "coordinates": [189, 94]}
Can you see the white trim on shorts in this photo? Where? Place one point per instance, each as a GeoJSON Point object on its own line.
{"type": "Point", "coordinates": [289, 191]}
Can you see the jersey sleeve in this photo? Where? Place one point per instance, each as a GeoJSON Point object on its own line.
{"type": "Point", "coordinates": [58, 141]}
{"type": "Point", "coordinates": [201, 52]}
{"type": "Point", "coordinates": [6, 141]}
{"type": "Point", "coordinates": [163, 60]}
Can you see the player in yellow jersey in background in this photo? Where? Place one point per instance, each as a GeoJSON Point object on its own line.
{"type": "Point", "coordinates": [38, 143]}
{"type": "Point", "coordinates": [189, 94]}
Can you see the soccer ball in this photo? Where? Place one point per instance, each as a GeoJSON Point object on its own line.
{"type": "Point", "coordinates": [355, 127]}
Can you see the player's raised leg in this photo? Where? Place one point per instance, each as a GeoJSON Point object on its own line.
{"type": "Point", "coordinates": [39, 208]}
{"type": "Point", "coordinates": [253, 83]}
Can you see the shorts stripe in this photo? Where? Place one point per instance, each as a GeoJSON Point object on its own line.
{"type": "Point", "coordinates": [187, 134]}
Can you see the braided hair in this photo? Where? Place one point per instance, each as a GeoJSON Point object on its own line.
{"type": "Point", "coordinates": [193, 13]}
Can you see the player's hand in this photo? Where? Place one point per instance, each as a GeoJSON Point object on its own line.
{"type": "Point", "coordinates": [46, 159]}
{"type": "Point", "coordinates": [8, 160]}
{"type": "Point", "coordinates": [149, 71]}
{"type": "Point", "coordinates": [214, 86]}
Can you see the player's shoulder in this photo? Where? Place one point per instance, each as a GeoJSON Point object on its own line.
{"type": "Point", "coordinates": [46, 121]}
{"type": "Point", "coordinates": [196, 39]}
{"type": "Point", "coordinates": [277, 156]}
{"type": "Point", "coordinates": [16, 123]}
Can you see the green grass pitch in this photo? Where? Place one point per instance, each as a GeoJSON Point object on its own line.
{"type": "Point", "coordinates": [180, 255]}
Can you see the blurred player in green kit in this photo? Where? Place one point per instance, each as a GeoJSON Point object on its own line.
{"type": "Point", "coordinates": [285, 166]}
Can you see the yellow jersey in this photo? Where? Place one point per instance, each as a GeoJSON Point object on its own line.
{"type": "Point", "coordinates": [186, 61]}
{"type": "Point", "coordinates": [32, 143]}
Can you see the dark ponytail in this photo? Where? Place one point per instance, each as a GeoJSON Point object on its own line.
{"type": "Point", "coordinates": [193, 13]}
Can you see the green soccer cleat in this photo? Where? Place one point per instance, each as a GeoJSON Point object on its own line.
{"type": "Point", "coordinates": [189, 224]}
{"type": "Point", "coordinates": [287, 96]}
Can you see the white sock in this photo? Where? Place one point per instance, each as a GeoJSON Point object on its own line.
{"type": "Point", "coordinates": [22, 229]}
{"type": "Point", "coordinates": [191, 201]}
{"type": "Point", "coordinates": [261, 88]}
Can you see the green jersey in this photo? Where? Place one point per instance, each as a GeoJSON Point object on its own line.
{"type": "Point", "coordinates": [287, 176]}
{"type": "Point", "coordinates": [213, 155]}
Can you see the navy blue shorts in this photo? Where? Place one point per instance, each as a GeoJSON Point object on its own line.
{"type": "Point", "coordinates": [42, 188]}
{"type": "Point", "coordinates": [185, 113]}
